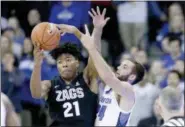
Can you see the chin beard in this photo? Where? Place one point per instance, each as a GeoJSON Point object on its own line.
{"type": "Point", "coordinates": [123, 78]}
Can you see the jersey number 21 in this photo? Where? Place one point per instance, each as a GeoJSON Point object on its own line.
{"type": "Point", "coordinates": [68, 107]}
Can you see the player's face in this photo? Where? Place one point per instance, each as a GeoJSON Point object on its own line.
{"type": "Point", "coordinates": [173, 80]}
{"type": "Point", "coordinates": [67, 66]}
{"type": "Point", "coordinates": [124, 70]}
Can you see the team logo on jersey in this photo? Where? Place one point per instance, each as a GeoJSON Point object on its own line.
{"type": "Point", "coordinates": [77, 84]}
{"type": "Point", "coordinates": [69, 94]}
{"type": "Point", "coordinates": [105, 100]}
{"type": "Point", "coordinates": [56, 86]}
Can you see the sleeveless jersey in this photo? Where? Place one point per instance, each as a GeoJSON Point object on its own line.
{"type": "Point", "coordinates": [109, 112]}
{"type": "Point", "coordinates": [3, 114]}
{"type": "Point", "coordinates": [73, 104]}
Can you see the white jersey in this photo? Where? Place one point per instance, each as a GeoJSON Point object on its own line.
{"type": "Point", "coordinates": [109, 112]}
{"type": "Point", "coordinates": [3, 114]}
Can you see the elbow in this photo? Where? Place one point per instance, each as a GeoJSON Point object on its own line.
{"type": "Point", "coordinates": [34, 93]}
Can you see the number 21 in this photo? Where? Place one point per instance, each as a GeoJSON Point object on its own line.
{"type": "Point", "coordinates": [68, 107]}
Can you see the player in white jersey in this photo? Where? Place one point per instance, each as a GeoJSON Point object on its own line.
{"type": "Point", "coordinates": [8, 115]}
{"type": "Point", "coordinates": [118, 98]}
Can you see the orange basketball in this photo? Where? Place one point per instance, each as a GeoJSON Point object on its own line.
{"type": "Point", "coordinates": [46, 34]}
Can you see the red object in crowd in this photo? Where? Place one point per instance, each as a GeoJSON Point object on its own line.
{"type": "Point", "coordinates": [104, 3]}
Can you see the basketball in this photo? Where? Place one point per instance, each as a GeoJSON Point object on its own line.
{"type": "Point", "coordinates": [47, 35]}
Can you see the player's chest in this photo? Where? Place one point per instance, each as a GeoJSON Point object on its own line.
{"type": "Point", "coordinates": [68, 92]}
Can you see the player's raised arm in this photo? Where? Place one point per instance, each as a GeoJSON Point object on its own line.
{"type": "Point", "coordinates": [39, 89]}
{"type": "Point", "coordinates": [99, 21]}
{"type": "Point", "coordinates": [104, 71]}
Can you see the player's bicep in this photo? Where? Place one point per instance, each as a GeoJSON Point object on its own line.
{"type": "Point", "coordinates": [45, 87]}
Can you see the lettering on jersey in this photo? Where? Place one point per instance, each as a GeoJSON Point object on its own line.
{"type": "Point", "coordinates": [105, 100]}
{"type": "Point", "coordinates": [69, 94]}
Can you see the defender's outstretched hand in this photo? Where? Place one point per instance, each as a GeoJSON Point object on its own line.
{"type": "Point", "coordinates": [87, 40]}
{"type": "Point", "coordinates": [99, 20]}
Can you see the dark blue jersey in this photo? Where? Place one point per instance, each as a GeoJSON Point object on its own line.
{"type": "Point", "coordinates": [72, 104]}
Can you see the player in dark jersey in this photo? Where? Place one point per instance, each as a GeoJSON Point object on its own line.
{"type": "Point", "coordinates": [72, 96]}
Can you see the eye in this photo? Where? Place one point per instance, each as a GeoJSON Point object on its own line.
{"type": "Point", "coordinates": [68, 60]}
{"type": "Point", "coordinates": [59, 62]}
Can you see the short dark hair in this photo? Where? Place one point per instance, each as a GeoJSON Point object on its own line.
{"type": "Point", "coordinates": [174, 38]}
{"type": "Point", "coordinates": [176, 72]}
{"type": "Point", "coordinates": [139, 70]}
{"type": "Point", "coordinates": [66, 48]}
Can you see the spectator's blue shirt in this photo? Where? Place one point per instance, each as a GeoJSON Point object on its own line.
{"type": "Point", "coordinates": [169, 61]}
{"type": "Point", "coordinates": [76, 14]}
{"type": "Point", "coordinates": [164, 31]}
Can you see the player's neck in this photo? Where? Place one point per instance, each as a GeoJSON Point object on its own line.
{"type": "Point", "coordinates": [170, 115]}
{"type": "Point", "coordinates": [68, 81]}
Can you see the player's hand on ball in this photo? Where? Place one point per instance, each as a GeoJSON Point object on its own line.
{"type": "Point", "coordinates": [87, 40]}
{"type": "Point", "coordinates": [38, 54]}
{"type": "Point", "coordinates": [99, 19]}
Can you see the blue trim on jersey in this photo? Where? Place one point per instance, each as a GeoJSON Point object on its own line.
{"type": "Point", "coordinates": [122, 119]}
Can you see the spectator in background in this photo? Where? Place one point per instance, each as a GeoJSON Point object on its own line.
{"type": "Point", "coordinates": [145, 93]}
{"type": "Point", "coordinates": [6, 45]}
{"type": "Point", "coordinates": [11, 80]}
{"type": "Point", "coordinates": [174, 52]}
{"type": "Point", "coordinates": [153, 121]}
{"type": "Point", "coordinates": [174, 80]}
{"type": "Point", "coordinates": [179, 66]}
{"type": "Point", "coordinates": [33, 18]}
{"type": "Point", "coordinates": [132, 19]}
{"type": "Point", "coordinates": [4, 23]}
{"type": "Point", "coordinates": [19, 33]}
{"type": "Point", "coordinates": [157, 72]}
{"type": "Point", "coordinates": [174, 9]}
{"type": "Point", "coordinates": [142, 58]}
{"type": "Point", "coordinates": [9, 33]}
{"type": "Point", "coordinates": [32, 107]}
{"type": "Point", "coordinates": [174, 26]}
{"type": "Point", "coordinates": [72, 13]}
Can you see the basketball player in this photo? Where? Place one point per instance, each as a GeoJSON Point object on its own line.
{"type": "Point", "coordinates": [8, 115]}
{"type": "Point", "coordinates": [118, 97]}
{"type": "Point", "coordinates": [71, 97]}
{"type": "Point", "coordinates": [170, 105]}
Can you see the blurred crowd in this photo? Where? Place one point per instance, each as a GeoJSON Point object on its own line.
{"type": "Point", "coordinates": [151, 32]}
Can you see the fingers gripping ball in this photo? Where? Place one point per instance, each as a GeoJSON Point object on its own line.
{"type": "Point", "coordinates": [46, 35]}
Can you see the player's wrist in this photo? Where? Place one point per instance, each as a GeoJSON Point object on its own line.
{"type": "Point", "coordinates": [37, 64]}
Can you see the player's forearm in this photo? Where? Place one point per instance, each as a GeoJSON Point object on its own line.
{"type": "Point", "coordinates": [97, 33]}
{"type": "Point", "coordinates": [101, 66]}
{"type": "Point", "coordinates": [35, 82]}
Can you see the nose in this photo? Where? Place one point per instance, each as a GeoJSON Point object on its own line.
{"type": "Point", "coordinates": [64, 64]}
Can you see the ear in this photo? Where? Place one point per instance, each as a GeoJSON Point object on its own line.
{"type": "Point", "coordinates": [77, 63]}
{"type": "Point", "coordinates": [132, 77]}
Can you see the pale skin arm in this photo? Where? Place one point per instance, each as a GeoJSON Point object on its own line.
{"type": "Point", "coordinates": [99, 21]}
{"type": "Point", "coordinates": [124, 89]}
{"type": "Point", "coordinates": [12, 119]}
{"type": "Point", "coordinates": [39, 89]}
